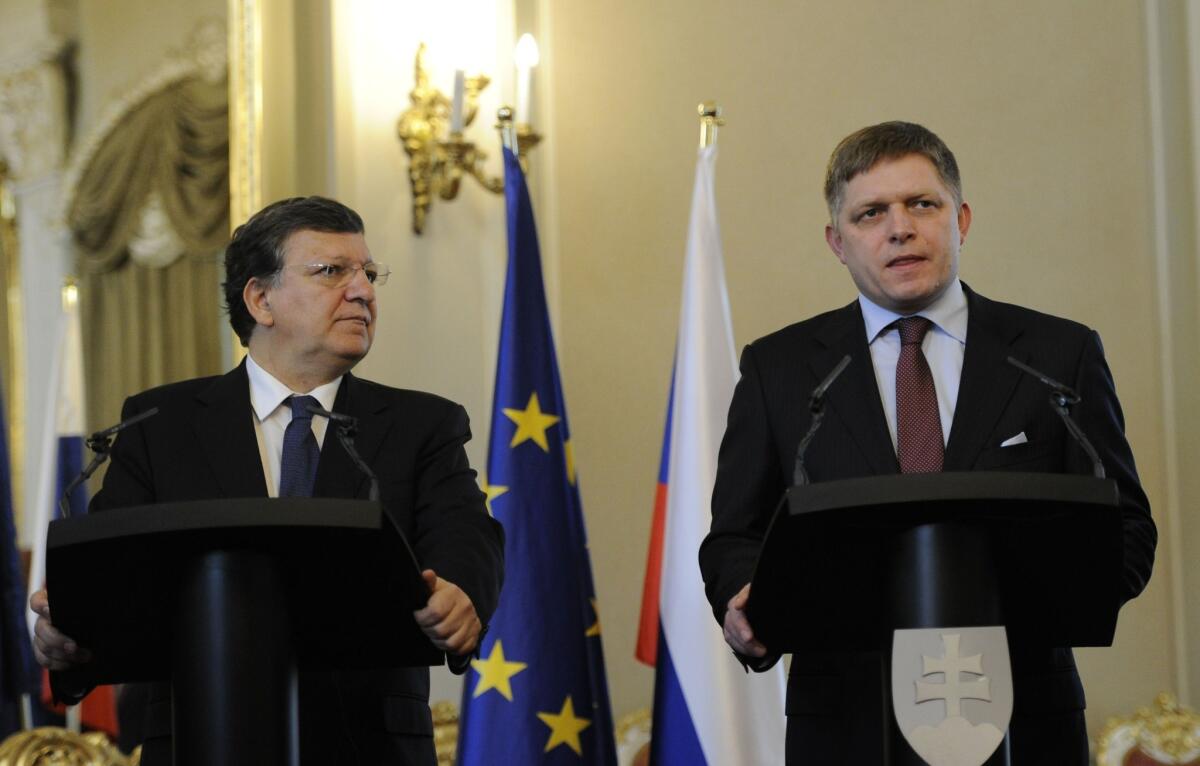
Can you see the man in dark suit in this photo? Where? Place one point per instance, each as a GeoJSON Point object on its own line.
{"type": "Point", "coordinates": [300, 288]}
{"type": "Point", "coordinates": [926, 394]}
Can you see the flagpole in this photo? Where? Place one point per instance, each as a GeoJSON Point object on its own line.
{"type": "Point", "coordinates": [507, 128]}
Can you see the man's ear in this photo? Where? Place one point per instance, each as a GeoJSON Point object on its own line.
{"type": "Point", "coordinates": [258, 302]}
{"type": "Point", "coordinates": [964, 222]}
{"type": "Point", "coordinates": [834, 239]}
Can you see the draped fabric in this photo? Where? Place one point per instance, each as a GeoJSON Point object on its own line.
{"type": "Point", "coordinates": [153, 318]}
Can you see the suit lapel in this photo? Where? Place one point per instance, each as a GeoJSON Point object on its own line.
{"type": "Point", "coordinates": [854, 398]}
{"type": "Point", "coordinates": [987, 381]}
{"type": "Point", "coordinates": [336, 474]}
{"type": "Point", "coordinates": [225, 429]}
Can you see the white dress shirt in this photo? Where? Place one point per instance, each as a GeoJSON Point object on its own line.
{"type": "Point", "coordinates": [943, 346]}
{"type": "Point", "coordinates": [271, 417]}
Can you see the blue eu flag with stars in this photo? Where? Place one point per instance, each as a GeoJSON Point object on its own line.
{"type": "Point", "coordinates": [538, 693]}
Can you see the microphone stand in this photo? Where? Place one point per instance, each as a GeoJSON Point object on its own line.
{"type": "Point", "coordinates": [101, 444]}
{"type": "Point", "coordinates": [1062, 398]}
{"type": "Point", "coordinates": [346, 428]}
{"type": "Point", "coordinates": [816, 405]}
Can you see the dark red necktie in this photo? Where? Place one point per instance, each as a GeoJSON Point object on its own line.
{"type": "Point", "coordinates": [918, 425]}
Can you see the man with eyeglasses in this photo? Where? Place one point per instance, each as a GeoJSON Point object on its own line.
{"type": "Point", "coordinates": [300, 290]}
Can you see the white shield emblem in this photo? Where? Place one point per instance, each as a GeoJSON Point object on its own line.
{"type": "Point", "coordinates": [952, 692]}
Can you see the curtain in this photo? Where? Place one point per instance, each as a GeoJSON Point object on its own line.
{"type": "Point", "coordinates": [149, 217]}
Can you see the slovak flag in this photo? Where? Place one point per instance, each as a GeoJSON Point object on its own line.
{"type": "Point", "coordinates": [707, 709]}
{"type": "Point", "coordinates": [62, 460]}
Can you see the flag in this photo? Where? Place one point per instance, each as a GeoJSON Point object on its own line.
{"type": "Point", "coordinates": [19, 674]}
{"type": "Point", "coordinates": [538, 693]}
{"type": "Point", "coordinates": [707, 710]}
{"type": "Point", "coordinates": [62, 460]}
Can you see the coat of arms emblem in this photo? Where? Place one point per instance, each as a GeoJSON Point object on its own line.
{"type": "Point", "coordinates": [952, 692]}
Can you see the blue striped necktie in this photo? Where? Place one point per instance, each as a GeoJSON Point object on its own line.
{"type": "Point", "coordinates": [298, 469]}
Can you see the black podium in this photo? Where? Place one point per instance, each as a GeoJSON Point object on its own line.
{"type": "Point", "coordinates": [845, 563]}
{"type": "Point", "coordinates": [227, 599]}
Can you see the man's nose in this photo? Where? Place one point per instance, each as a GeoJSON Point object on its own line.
{"type": "Point", "coordinates": [360, 288]}
{"type": "Point", "coordinates": [901, 225]}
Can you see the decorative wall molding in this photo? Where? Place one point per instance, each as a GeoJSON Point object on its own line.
{"type": "Point", "coordinates": [204, 56]}
{"type": "Point", "coordinates": [48, 50]}
{"type": "Point", "coordinates": [245, 109]}
{"type": "Point", "coordinates": [33, 119]}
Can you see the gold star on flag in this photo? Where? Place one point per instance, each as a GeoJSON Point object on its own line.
{"type": "Point", "coordinates": [495, 672]}
{"type": "Point", "coordinates": [492, 491]}
{"type": "Point", "coordinates": [595, 629]}
{"type": "Point", "coordinates": [531, 423]}
{"type": "Point", "coordinates": [565, 727]}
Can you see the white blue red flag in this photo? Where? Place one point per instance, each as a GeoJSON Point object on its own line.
{"type": "Point", "coordinates": [707, 710]}
{"type": "Point", "coordinates": [62, 460]}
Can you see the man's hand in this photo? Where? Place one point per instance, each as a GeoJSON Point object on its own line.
{"type": "Point", "coordinates": [449, 617]}
{"type": "Point", "coordinates": [52, 649]}
{"type": "Point", "coordinates": [738, 633]}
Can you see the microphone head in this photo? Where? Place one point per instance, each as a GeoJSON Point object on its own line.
{"type": "Point", "coordinates": [348, 424]}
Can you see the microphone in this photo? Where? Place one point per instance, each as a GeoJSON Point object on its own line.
{"type": "Point", "coordinates": [346, 428]}
{"type": "Point", "coordinates": [99, 443]}
{"type": "Point", "coordinates": [816, 405]}
{"type": "Point", "coordinates": [1062, 398]}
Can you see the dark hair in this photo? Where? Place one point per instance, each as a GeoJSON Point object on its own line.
{"type": "Point", "coordinates": [256, 248]}
{"type": "Point", "coordinates": [863, 149]}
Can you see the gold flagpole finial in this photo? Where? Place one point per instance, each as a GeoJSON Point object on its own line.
{"type": "Point", "coordinates": [710, 120]}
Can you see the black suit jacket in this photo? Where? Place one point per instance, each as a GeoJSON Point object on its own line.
{"type": "Point", "coordinates": [996, 401]}
{"type": "Point", "coordinates": [202, 445]}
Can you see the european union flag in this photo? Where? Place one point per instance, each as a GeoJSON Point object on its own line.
{"type": "Point", "coordinates": [19, 673]}
{"type": "Point", "coordinates": [538, 693]}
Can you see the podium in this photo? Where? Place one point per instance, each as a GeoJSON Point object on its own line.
{"type": "Point", "coordinates": [845, 563]}
{"type": "Point", "coordinates": [227, 599]}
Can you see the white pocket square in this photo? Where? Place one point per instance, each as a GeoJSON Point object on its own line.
{"type": "Point", "coordinates": [1020, 438]}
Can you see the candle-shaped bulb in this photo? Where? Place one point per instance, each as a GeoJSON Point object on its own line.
{"type": "Point", "coordinates": [526, 56]}
{"type": "Point", "coordinates": [456, 108]}
{"type": "Point", "coordinates": [527, 51]}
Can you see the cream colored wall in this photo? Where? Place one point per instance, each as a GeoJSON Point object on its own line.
{"type": "Point", "coordinates": [439, 314]}
{"type": "Point", "coordinates": [1173, 36]}
{"type": "Point", "coordinates": [1045, 105]}
{"type": "Point", "coordinates": [123, 41]}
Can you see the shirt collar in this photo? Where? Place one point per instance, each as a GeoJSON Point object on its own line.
{"type": "Point", "coordinates": [267, 392]}
{"type": "Point", "coordinates": [948, 313]}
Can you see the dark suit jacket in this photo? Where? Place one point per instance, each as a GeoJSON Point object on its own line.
{"type": "Point", "coordinates": [201, 445]}
{"type": "Point", "coordinates": [996, 401]}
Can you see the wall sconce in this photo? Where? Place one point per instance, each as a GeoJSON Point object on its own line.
{"type": "Point", "coordinates": [431, 131]}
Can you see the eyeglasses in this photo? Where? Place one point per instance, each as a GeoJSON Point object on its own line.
{"type": "Point", "coordinates": [336, 275]}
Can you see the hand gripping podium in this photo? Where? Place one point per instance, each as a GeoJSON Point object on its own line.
{"type": "Point", "coordinates": [846, 563]}
{"type": "Point", "coordinates": [227, 599]}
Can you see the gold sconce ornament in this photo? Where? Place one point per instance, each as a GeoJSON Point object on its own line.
{"type": "Point", "coordinates": [431, 131]}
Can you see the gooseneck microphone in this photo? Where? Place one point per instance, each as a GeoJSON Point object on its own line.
{"type": "Point", "coordinates": [101, 444]}
{"type": "Point", "coordinates": [816, 405]}
{"type": "Point", "coordinates": [1062, 398]}
{"type": "Point", "coordinates": [346, 428]}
